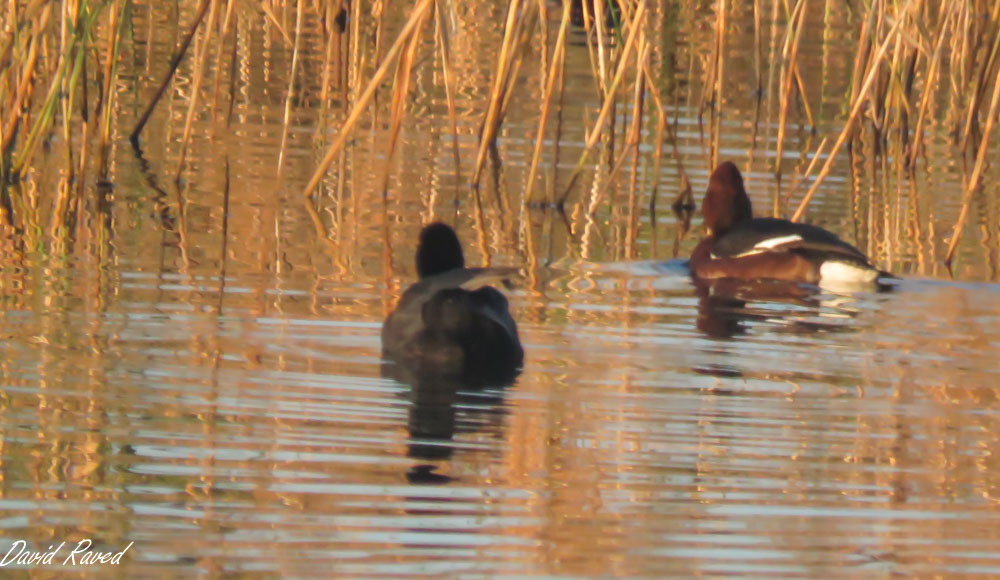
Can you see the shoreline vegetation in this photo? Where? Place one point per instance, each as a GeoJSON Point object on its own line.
{"type": "Point", "coordinates": [916, 67]}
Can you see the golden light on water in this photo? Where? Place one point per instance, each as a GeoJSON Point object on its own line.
{"type": "Point", "coordinates": [194, 364]}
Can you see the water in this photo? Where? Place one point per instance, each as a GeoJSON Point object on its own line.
{"type": "Point", "coordinates": [198, 371]}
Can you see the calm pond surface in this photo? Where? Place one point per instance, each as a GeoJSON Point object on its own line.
{"type": "Point", "coordinates": [199, 370]}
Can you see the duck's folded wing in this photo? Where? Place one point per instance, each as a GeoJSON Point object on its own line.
{"type": "Point", "coordinates": [464, 278]}
{"type": "Point", "coordinates": [407, 319]}
{"type": "Point", "coordinates": [777, 235]}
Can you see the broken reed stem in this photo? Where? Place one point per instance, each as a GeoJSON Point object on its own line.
{"type": "Point", "coordinates": [916, 147]}
{"type": "Point", "coordinates": [558, 59]}
{"type": "Point", "coordinates": [46, 117]}
{"type": "Point", "coordinates": [631, 138]}
{"type": "Point", "coordinates": [876, 63]}
{"type": "Point", "coordinates": [632, 142]}
{"type": "Point", "coordinates": [594, 133]}
{"type": "Point", "coordinates": [809, 169]}
{"type": "Point", "coordinates": [108, 103]}
{"type": "Point", "coordinates": [9, 128]}
{"type": "Point", "coordinates": [449, 91]}
{"type": "Point", "coordinates": [226, 27]}
{"type": "Point", "coordinates": [199, 74]}
{"type": "Point", "coordinates": [326, 78]}
{"type": "Point", "coordinates": [359, 105]}
{"type": "Point", "coordinates": [172, 69]}
{"type": "Point", "coordinates": [290, 91]}
{"type": "Point", "coordinates": [400, 89]}
{"type": "Point", "coordinates": [982, 78]}
{"type": "Point", "coordinates": [789, 52]}
{"type": "Point", "coordinates": [277, 24]}
{"type": "Point", "coordinates": [685, 190]}
{"type": "Point", "coordinates": [491, 121]}
{"type": "Point", "coordinates": [720, 69]}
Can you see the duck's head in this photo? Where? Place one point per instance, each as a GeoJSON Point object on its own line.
{"type": "Point", "coordinates": [439, 250]}
{"type": "Point", "coordinates": [726, 203]}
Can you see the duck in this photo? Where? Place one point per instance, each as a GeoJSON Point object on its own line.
{"type": "Point", "coordinates": [740, 246]}
{"type": "Point", "coordinates": [451, 322]}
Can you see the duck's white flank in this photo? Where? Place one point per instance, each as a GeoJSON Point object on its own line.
{"type": "Point", "coordinates": [836, 271]}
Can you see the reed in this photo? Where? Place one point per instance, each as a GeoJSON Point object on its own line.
{"type": "Point", "coordinates": [917, 71]}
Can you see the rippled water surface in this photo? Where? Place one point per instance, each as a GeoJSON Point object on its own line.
{"type": "Point", "coordinates": [200, 371]}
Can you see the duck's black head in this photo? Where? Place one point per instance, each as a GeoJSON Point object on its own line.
{"type": "Point", "coordinates": [439, 250]}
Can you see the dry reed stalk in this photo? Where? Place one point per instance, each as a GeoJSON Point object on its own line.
{"type": "Point", "coordinates": [378, 12]}
{"type": "Point", "coordinates": [982, 78]}
{"type": "Point", "coordinates": [757, 58]}
{"type": "Point", "coordinates": [591, 51]}
{"type": "Point", "coordinates": [359, 105]}
{"type": "Point", "coordinates": [45, 118]}
{"type": "Point", "coordinates": [109, 99]}
{"type": "Point", "coordinates": [917, 146]}
{"type": "Point", "coordinates": [290, 91]}
{"type": "Point", "coordinates": [632, 141]}
{"type": "Point", "coordinates": [18, 14]}
{"type": "Point", "coordinates": [595, 132]}
{"type": "Point", "coordinates": [199, 74]}
{"type": "Point", "coordinates": [684, 196]}
{"type": "Point", "coordinates": [792, 37]}
{"type": "Point", "coordinates": [862, 54]}
{"type": "Point", "coordinates": [174, 62]}
{"type": "Point", "coordinates": [277, 24]}
{"type": "Point", "coordinates": [498, 91]}
{"type": "Point", "coordinates": [633, 136]}
{"type": "Point", "coordinates": [543, 18]}
{"type": "Point", "coordinates": [602, 59]}
{"type": "Point", "coordinates": [233, 54]}
{"type": "Point", "coordinates": [400, 90]}
{"type": "Point", "coordinates": [719, 82]}
{"type": "Point", "coordinates": [810, 120]}
{"type": "Point", "coordinates": [353, 86]}
{"type": "Point", "coordinates": [805, 175]}
{"type": "Point", "coordinates": [22, 91]}
{"type": "Point", "coordinates": [331, 40]}
{"type": "Point", "coordinates": [771, 71]}
{"type": "Point", "coordinates": [449, 91]}
{"type": "Point", "coordinates": [973, 183]}
{"type": "Point", "coordinates": [558, 61]}
{"type": "Point", "coordinates": [227, 26]}
{"type": "Point", "coordinates": [873, 70]}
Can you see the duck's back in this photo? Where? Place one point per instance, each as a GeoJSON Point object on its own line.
{"type": "Point", "coordinates": [762, 235]}
{"type": "Point", "coordinates": [477, 328]}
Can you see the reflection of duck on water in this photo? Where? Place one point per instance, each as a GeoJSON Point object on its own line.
{"type": "Point", "coordinates": [726, 305]}
{"type": "Point", "coordinates": [440, 407]}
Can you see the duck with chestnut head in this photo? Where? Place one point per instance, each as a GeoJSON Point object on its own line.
{"type": "Point", "coordinates": [741, 246]}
